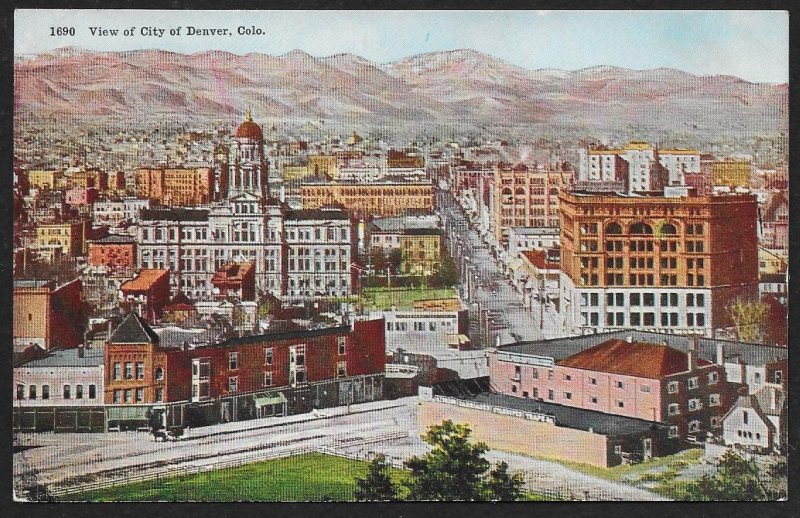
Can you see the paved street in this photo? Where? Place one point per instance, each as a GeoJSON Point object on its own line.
{"type": "Point", "coordinates": [389, 427]}
{"type": "Point", "coordinates": [490, 290]}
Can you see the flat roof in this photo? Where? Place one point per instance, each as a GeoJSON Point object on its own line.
{"type": "Point", "coordinates": [571, 417]}
{"type": "Point", "coordinates": [68, 358]}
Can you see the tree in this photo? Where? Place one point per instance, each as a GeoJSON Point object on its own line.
{"type": "Point", "coordinates": [377, 486]}
{"type": "Point", "coordinates": [447, 274]}
{"type": "Point", "coordinates": [736, 479]}
{"type": "Point", "coordinates": [456, 470]}
{"type": "Point", "coordinates": [502, 485]}
{"type": "Point", "coordinates": [748, 317]}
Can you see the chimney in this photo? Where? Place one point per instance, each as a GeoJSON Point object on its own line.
{"type": "Point", "coordinates": [80, 350]}
{"type": "Point", "coordinates": [692, 356]}
{"type": "Point", "coordinates": [772, 398]}
{"type": "Point", "coordinates": [497, 341]}
{"type": "Point", "coordinates": [720, 354]}
{"type": "Point", "coordinates": [742, 371]}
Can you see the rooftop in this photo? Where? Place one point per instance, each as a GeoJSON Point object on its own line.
{"type": "Point", "coordinates": [317, 214]}
{"type": "Point", "coordinates": [133, 330]}
{"type": "Point", "coordinates": [642, 360]}
{"type": "Point", "coordinates": [69, 358]}
{"type": "Point", "coordinates": [570, 417]}
{"type": "Point", "coordinates": [144, 280]}
{"type": "Point", "coordinates": [114, 239]}
{"type": "Point", "coordinates": [285, 335]}
{"type": "Point", "coordinates": [174, 214]}
{"type": "Point", "coordinates": [561, 348]}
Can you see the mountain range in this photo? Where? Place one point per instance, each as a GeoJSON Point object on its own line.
{"type": "Point", "coordinates": [460, 88]}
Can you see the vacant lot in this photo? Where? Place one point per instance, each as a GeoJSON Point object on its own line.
{"type": "Point", "coordinates": [307, 478]}
{"type": "Point", "coordinates": [403, 298]}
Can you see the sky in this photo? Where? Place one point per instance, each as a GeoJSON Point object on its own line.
{"type": "Point", "coordinates": [753, 45]}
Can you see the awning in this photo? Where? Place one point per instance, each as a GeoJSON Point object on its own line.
{"type": "Point", "coordinates": [127, 413]}
{"type": "Point", "coordinates": [270, 399]}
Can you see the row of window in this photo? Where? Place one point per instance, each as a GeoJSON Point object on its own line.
{"type": "Point", "coordinates": [693, 405]}
{"type": "Point", "coordinates": [642, 299]}
{"type": "Point", "coordinates": [66, 391]}
{"type": "Point", "coordinates": [135, 395]}
{"type": "Point", "coordinates": [129, 371]}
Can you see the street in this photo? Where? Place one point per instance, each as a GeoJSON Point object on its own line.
{"type": "Point", "coordinates": [388, 427]}
{"type": "Point", "coordinates": [496, 309]}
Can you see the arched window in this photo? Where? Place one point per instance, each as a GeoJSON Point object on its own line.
{"type": "Point", "coordinates": [641, 229]}
{"type": "Point", "coordinates": [159, 373]}
{"type": "Point", "coordinates": [520, 191]}
{"type": "Point", "coordinates": [613, 229]}
{"type": "Point", "coordinates": [507, 191]}
{"type": "Point", "coordinates": [554, 191]}
{"type": "Point", "coordinates": [668, 229]}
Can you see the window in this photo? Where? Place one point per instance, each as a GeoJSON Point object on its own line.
{"type": "Point", "coordinates": [673, 431]}
{"type": "Point", "coordinates": [645, 388]}
{"type": "Point", "coordinates": [233, 384]}
{"type": "Point", "coordinates": [744, 416]}
{"type": "Point", "coordinates": [617, 449]}
{"type": "Point", "coordinates": [568, 395]}
{"type": "Point", "coordinates": [535, 392]}
{"type": "Point", "coordinates": [535, 373]}
{"type": "Point", "coordinates": [713, 378]}
{"type": "Point", "coordinates": [778, 377]}
{"type": "Point", "coordinates": [78, 391]}
{"type": "Point", "coordinates": [715, 422]}
{"type": "Point", "coordinates": [268, 378]}
{"type": "Point", "coordinates": [45, 391]}
{"type": "Point", "coordinates": [342, 342]}
{"type": "Point", "coordinates": [341, 369]}
{"type": "Point", "coordinates": [673, 409]}
{"type": "Point", "coordinates": [268, 352]}
{"type": "Point", "coordinates": [694, 404]}
{"type": "Point", "coordinates": [567, 377]}
{"type": "Point", "coordinates": [551, 395]}
{"type": "Point", "coordinates": [593, 381]}
{"type": "Point", "coordinates": [32, 392]}
{"type": "Point", "coordinates": [594, 399]}
{"type": "Point", "coordinates": [525, 393]}
{"type": "Point", "coordinates": [649, 299]}
{"type": "Point", "coordinates": [159, 373]}
{"type": "Point", "coordinates": [635, 299]}
{"type": "Point", "coordinates": [514, 388]}
{"type": "Point", "coordinates": [128, 396]}
{"type": "Point", "coordinates": [693, 383]}
{"type": "Point", "coordinates": [139, 370]}
{"type": "Point", "coordinates": [619, 384]}
{"type": "Point", "coordinates": [159, 395]}
{"type": "Point", "coordinates": [92, 391]}
{"type": "Point", "coordinates": [620, 404]}
{"type": "Point", "coordinates": [117, 371]}
{"type": "Point", "coordinates": [67, 392]}
{"type": "Point", "coordinates": [233, 361]}
{"type": "Point", "coordinates": [128, 371]}
{"type": "Point", "coordinates": [713, 400]}
{"type": "Point", "coordinates": [139, 395]}
{"type": "Point", "coordinates": [694, 426]}
{"type": "Point", "coordinates": [517, 372]}
{"type": "Point", "coordinates": [117, 396]}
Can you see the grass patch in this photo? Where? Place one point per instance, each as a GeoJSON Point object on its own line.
{"type": "Point", "coordinates": [403, 298]}
{"type": "Point", "coordinates": [305, 478]}
{"type": "Point", "coordinates": [638, 472]}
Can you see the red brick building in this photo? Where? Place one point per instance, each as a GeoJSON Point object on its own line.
{"type": "Point", "coordinates": [148, 292]}
{"type": "Point", "coordinates": [113, 251]}
{"type": "Point", "coordinates": [237, 279]}
{"type": "Point", "coordinates": [283, 371]}
{"type": "Point", "coordinates": [47, 314]}
{"type": "Point", "coordinates": [645, 381]}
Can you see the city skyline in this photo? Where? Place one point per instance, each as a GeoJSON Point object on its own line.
{"type": "Point", "coordinates": [752, 45]}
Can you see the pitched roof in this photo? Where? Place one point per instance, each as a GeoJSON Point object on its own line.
{"type": "Point", "coordinates": [765, 398]}
{"type": "Point", "coordinates": [540, 259]}
{"type": "Point", "coordinates": [145, 280]}
{"type": "Point", "coordinates": [133, 330]}
{"type": "Point", "coordinates": [638, 359]}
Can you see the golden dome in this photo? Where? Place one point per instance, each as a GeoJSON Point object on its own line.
{"type": "Point", "coordinates": [249, 129]}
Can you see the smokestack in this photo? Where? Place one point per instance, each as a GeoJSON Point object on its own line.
{"type": "Point", "coordinates": [720, 354]}
{"type": "Point", "coordinates": [743, 371]}
{"type": "Point", "coordinates": [80, 350]}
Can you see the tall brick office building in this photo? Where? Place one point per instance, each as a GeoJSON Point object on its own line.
{"type": "Point", "coordinates": [655, 263]}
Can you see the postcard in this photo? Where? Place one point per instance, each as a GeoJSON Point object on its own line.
{"type": "Point", "coordinates": [290, 256]}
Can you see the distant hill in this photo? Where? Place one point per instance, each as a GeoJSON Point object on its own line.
{"type": "Point", "coordinates": [460, 87]}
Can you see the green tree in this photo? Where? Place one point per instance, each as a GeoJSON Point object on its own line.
{"type": "Point", "coordinates": [456, 470]}
{"type": "Point", "coordinates": [738, 479]}
{"type": "Point", "coordinates": [447, 274]}
{"type": "Point", "coordinates": [748, 317]}
{"type": "Point", "coordinates": [377, 486]}
{"type": "Point", "coordinates": [502, 485]}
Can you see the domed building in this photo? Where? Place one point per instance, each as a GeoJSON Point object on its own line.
{"type": "Point", "coordinates": [248, 164]}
